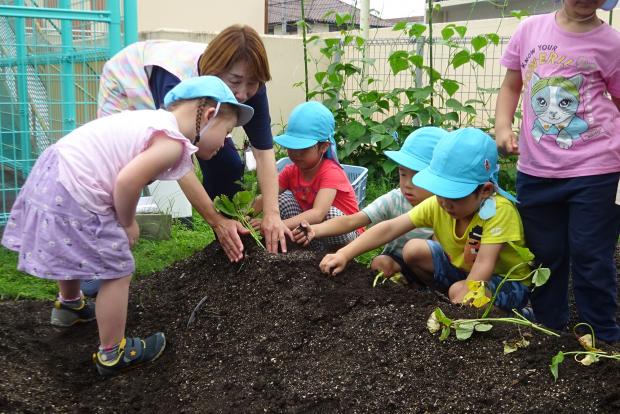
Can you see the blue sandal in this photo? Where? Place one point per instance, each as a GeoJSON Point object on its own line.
{"type": "Point", "coordinates": [132, 353]}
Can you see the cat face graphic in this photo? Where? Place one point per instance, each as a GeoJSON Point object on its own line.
{"type": "Point", "coordinates": [555, 100]}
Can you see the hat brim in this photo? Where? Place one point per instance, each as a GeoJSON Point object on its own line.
{"type": "Point", "coordinates": [245, 114]}
{"type": "Point", "coordinates": [406, 161]}
{"type": "Point", "coordinates": [441, 186]}
{"type": "Point", "coordinates": [292, 142]}
{"type": "Point", "coordinates": [609, 4]}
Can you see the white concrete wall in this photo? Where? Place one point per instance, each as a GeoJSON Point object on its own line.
{"type": "Point", "coordinates": [200, 15]}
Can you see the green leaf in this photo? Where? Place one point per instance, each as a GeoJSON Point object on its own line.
{"type": "Point", "coordinates": [453, 103]}
{"type": "Point", "coordinates": [478, 57]}
{"type": "Point", "coordinates": [464, 330]}
{"type": "Point", "coordinates": [555, 362]}
{"type": "Point", "coordinates": [379, 129]}
{"type": "Point", "coordinates": [541, 276]}
{"type": "Point", "coordinates": [447, 32]}
{"type": "Point", "coordinates": [416, 60]}
{"type": "Point", "coordinates": [225, 206]}
{"type": "Point", "coordinates": [399, 26]}
{"type": "Point", "coordinates": [452, 116]}
{"type": "Point", "coordinates": [243, 201]}
{"type": "Point", "coordinates": [450, 86]}
{"type": "Point", "coordinates": [483, 327]}
{"type": "Point", "coordinates": [479, 42]}
{"type": "Point", "coordinates": [461, 30]}
{"type": "Point", "coordinates": [494, 38]}
{"type": "Point", "coordinates": [416, 30]}
{"type": "Point", "coordinates": [445, 333]}
{"type": "Point", "coordinates": [399, 61]}
{"type": "Point", "coordinates": [355, 130]}
{"type": "Point", "coordinates": [460, 58]}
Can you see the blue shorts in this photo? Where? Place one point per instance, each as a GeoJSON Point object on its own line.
{"type": "Point", "coordinates": [514, 295]}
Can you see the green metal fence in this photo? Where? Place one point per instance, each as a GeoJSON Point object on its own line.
{"type": "Point", "coordinates": [51, 55]}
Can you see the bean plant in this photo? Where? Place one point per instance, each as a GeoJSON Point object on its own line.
{"type": "Point", "coordinates": [370, 120]}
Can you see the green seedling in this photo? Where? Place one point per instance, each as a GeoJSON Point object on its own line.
{"type": "Point", "coordinates": [464, 328]}
{"type": "Point", "coordinates": [477, 289]}
{"type": "Point", "coordinates": [590, 355]}
{"type": "Point", "coordinates": [397, 278]}
{"type": "Point", "coordinates": [240, 209]}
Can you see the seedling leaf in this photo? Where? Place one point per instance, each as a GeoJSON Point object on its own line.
{"type": "Point", "coordinates": [540, 276]}
{"type": "Point", "coordinates": [483, 327]}
{"type": "Point", "coordinates": [464, 330]}
{"type": "Point", "coordinates": [555, 362]}
{"type": "Point", "coordinates": [512, 346]}
{"type": "Point", "coordinates": [588, 360]}
{"type": "Point", "coordinates": [432, 323]}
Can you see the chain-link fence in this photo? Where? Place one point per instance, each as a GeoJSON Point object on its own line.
{"type": "Point", "coordinates": [477, 85]}
{"type": "Point", "coordinates": [51, 55]}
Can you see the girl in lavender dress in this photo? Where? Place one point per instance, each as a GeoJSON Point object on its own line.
{"type": "Point", "coordinates": [75, 216]}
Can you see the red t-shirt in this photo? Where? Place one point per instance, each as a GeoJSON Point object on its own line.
{"type": "Point", "coordinates": [329, 175]}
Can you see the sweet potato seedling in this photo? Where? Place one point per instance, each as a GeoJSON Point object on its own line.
{"type": "Point", "coordinates": [240, 209]}
{"type": "Point", "coordinates": [477, 297]}
{"type": "Point", "coordinates": [587, 357]}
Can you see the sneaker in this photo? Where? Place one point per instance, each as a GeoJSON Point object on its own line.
{"type": "Point", "coordinates": [132, 353]}
{"type": "Point", "coordinates": [65, 316]}
{"type": "Point", "coordinates": [90, 287]}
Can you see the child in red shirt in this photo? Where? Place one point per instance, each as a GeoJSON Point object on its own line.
{"type": "Point", "coordinates": [314, 188]}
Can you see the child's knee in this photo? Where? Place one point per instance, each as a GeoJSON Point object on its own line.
{"type": "Point", "coordinates": [417, 251]}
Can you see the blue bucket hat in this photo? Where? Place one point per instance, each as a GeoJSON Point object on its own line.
{"type": "Point", "coordinates": [417, 150]}
{"type": "Point", "coordinates": [609, 4]}
{"type": "Point", "coordinates": [309, 123]}
{"type": "Point", "coordinates": [462, 160]}
{"type": "Point", "coordinates": [208, 87]}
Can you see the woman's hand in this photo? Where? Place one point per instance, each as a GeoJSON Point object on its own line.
{"type": "Point", "coordinates": [227, 232]}
{"type": "Point", "coordinates": [133, 232]}
{"type": "Point", "coordinates": [275, 232]}
{"type": "Point", "coordinates": [387, 265]}
{"type": "Point", "coordinates": [332, 264]}
{"type": "Point", "coordinates": [304, 233]}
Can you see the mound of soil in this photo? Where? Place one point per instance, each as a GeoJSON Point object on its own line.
{"type": "Point", "coordinates": [276, 335]}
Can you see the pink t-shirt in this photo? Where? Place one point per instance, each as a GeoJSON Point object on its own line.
{"type": "Point", "coordinates": [330, 175]}
{"type": "Point", "coordinates": [570, 125]}
{"type": "Point", "coordinates": [91, 156]}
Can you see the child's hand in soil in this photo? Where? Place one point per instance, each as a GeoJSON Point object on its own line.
{"type": "Point", "coordinates": [332, 264]}
{"type": "Point", "coordinates": [387, 265]}
{"type": "Point", "coordinates": [304, 233]}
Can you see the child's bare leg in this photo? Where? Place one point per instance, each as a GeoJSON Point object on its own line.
{"type": "Point", "coordinates": [417, 255]}
{"type": "Point", "coordinates": [112, 310]}
{"type": "Point", "coordinates": [69, 289]}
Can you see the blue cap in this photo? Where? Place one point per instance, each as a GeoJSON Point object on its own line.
{"type": "Point", "coordinates": [462, 160]}
{"type": "Point", "coordinates": [208, 87]}
{"type": "Point", "coordinates": [309, 123]}
{"type": "Point", "coordinates": [609, 4]}
{"type": "Point", "coordinates": [417, 150]}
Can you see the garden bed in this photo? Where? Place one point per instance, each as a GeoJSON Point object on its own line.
{"type": "Point", "coordinates": [275, 335]}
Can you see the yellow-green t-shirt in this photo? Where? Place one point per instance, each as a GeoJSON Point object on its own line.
{"type": "Point", "coordinates": [505, 227]}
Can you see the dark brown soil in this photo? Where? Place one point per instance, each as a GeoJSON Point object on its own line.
{"type": "Point", "coordinates": [275, 335]}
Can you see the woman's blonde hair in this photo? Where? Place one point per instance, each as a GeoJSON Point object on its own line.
{"type": "Point", "coordinates": [234, 44]}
